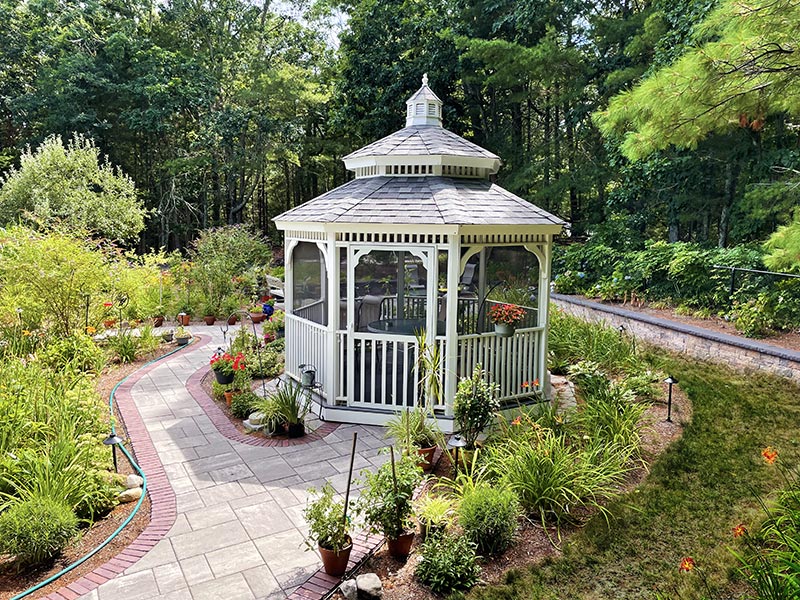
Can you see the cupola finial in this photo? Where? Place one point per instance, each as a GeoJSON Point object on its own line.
{"type": "Point", "coordinates": [424, 107]}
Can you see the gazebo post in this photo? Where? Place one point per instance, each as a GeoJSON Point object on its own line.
{"type": "Point", "coordinates": [401, 284]}
{"type": "Point", "coordinates": [332, 372]}
{"type": "Point", "coordinates": [451, 322]}
{"type": "Point", "coordinates": [481, 285]}
{"type": "Point", "coordinates": [544, 308]}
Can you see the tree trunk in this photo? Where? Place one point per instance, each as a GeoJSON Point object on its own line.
{"type": "Point", "coordinates": [731, 174]}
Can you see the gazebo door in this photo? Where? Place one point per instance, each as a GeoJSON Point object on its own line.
{"type": "Point", "coordinates": [390, 292]}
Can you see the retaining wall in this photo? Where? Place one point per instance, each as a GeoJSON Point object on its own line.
{"type": "Point", "coordinates": [737, 352]}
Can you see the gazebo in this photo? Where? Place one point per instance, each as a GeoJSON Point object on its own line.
{"type": "Point", "coordinates": [410, 247]}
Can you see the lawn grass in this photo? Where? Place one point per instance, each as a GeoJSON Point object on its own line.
{"type": "Point", "coordinates": [697, 491]}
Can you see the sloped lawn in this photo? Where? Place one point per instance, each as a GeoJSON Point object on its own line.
{"type": "Point", "coordinates": [697, 492]}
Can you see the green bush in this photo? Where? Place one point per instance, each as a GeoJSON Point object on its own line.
{"type": "Point", "coordinates": [76, 351]}
{"type": "Point", "coordinates": [269, 364]}
{"type": "Point", "coordinates": [124, 346]}
{"type": "Point", "coordinates": [36, 529]}
{"type": "Point", "coordinates": [447, 563]}
{"type": "Point", "coordinates": [243, 404]}
{"type": "Point", "coordinates": [488, 516]}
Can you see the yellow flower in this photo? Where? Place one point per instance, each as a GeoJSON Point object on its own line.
{"type": "Point", "coordinates": [91, 330]}
{"type": "Point", "coordinates": [25, 332]}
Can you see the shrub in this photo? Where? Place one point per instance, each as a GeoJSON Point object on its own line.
{"type": "Point", "coordinates": [387, 508]}
{"type": "Point", "coordinates": [77, 351]}
{"type": "Point", "coordinates": [268, 365]}
{"type": "Point", "coordinates": [488, 516]}
{"type": "Point", "coordinates": [474, 405]}
{"type": "Point", "coordinates": [325, 518]}
{"type": "Point", "coordinates": [243, 404]}
{"type": "Point", "coordinates": [448, 562]}
{"type": "Point", "coordinates": [611, 416]}
{"type": "Point", "coordinates": [36, 529]}
{"type": "Point", "coordinates": [124, 346]}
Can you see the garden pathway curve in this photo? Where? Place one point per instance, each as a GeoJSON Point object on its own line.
{"type": "Point", "coordinates": [238, 529]}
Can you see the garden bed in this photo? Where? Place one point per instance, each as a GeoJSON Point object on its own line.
{"type": "Point", "coordinates": [533, 543]}
{"type": "Point", "coordinates": [12, 583]}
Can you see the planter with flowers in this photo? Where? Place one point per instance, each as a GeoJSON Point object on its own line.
{"type": "Point", "coordinates": [182, 336]}
{"type": "Point", "coordinates": [505, 318]}
{"type": "Point", "coordinates": [225, 366]}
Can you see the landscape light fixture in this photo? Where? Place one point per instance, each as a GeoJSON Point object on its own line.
{"type": "Point", "coordinates": [670, 381]}
{"type": "Point", "coordinates": [113, 440]}
{"type": "Point", "coordinates": [456, 442]}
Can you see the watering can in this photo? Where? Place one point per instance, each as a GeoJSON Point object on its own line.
{"type": "Point", "coordinates": [308, 374]}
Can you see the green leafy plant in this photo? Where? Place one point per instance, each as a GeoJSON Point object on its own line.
{"type": "Point", "coordinates": [124, 346]}
{"type": "Point", "coordinates": [475, 405]}
{"type": "Point", "coordinates": [244, 403]}
{"type": "Point", "coordinates": [77, 351]}
{"type": "Point", "coordinates": [36, 529]}
{"type": "Point", "coordinates": [489, 516]}
{"type": "Point", "coordinates": [385, 502]}
{"type": "Point", "coordinates": [326, 520]}
{"type": "Point", "coordinates": [411, 429]}
{"type": "Point", "coordinates": [434, 512]}
{"type": "Point", "coordinates": [448, 562]}
{"type": "Point", "coordinates": [291, 403]}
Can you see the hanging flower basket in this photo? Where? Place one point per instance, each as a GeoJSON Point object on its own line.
{"type": "Point", "coordinates": [505, 318]}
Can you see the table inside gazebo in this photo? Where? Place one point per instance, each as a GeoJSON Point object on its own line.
{"type": "Point", "coordinates": [403, 326]}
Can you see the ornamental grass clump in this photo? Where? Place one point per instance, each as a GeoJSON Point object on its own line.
{"type": "Point", "coordinates": [36, 529]}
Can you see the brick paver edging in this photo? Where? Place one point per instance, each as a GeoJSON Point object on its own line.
{"type": "Point", "coordinates": [723, 338]}
{"type": "Point", "coordinates": [321, 585]}
{"type": "Point", "coordinates": [162, 498]}
{"type": "Point", "coordinates": [228, 429]}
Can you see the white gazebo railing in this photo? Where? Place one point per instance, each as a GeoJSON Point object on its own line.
{"type": "Point", "coordinates": [308, 346]}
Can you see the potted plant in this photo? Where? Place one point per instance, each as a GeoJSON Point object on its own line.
{"type": "Point", "coordinates": [505, 318]}
{"type": "Point", "coordinates": [158, 316]}
{"type": "Point", "coordinates": [167, 335]}
{"type": "Point", "coordinates": [225, 366]}
{"type": "Point", "coordinates": [257, 313]}
{"type": "Point", "coordinates": [474, 406]}
{"type": "Point", "coordinates": [292, 405]}
{"type": "Point", "coordinates": [276, 323]}
{"type": "Point", "coordinates": [434, 514]}
{"type": "Point", "coordinates": [210, 313]}
{"type": "Point", "coordinates": [183, 319]}
{"type": "Point", "coordinates": [230, 307]}
{"type": "Point", "coordinates": [415, 435]}
{"type": "Point", "coordinates": [385, 502]}
{"type": "Point", "coordinates": [182, 336]}
{"type": "Point", "coordinates": [328, 530]}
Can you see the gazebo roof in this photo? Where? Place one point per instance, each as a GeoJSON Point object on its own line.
{"type": "Point", "coordinates": [422, 174]}
{"type": "Point", "coordinates": [422, 140]}
{"type": "Point", "coordinates": [420, 200]}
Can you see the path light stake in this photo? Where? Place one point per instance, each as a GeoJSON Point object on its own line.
{"type": "Point", "coordinates": [349, 477]}
{"type": "Point", "coordinates": [670, 381]}
{"type": "Point", "coordinates": [113, 440]}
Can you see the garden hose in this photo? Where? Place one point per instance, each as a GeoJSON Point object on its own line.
{"type": "Point", "coordinates": [135, 510]}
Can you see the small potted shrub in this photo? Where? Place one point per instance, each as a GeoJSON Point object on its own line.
{"type": "Point", "coordinates": [257, 313]}
{"type": "Point", "coordinates": [291, 406]}
{"type": "Point", "coordinates": [474, 406]}
{"type": "Point", "coordinates": [505, 318]}
{"type": "Point", "coordinates": [328, 530]}
{"type": "Point", "coordinates": [182, 336]}
{"type": "Point", "coordinates": [434, 514]}
{"type": "Point", "coordinates": [415, 435]}
{"type": "Point", "coordinates": [167, 335]}
{"type": "Point", "coordinates": [385, 503]}
{"type": "Point", "coordinates": [210, 313]}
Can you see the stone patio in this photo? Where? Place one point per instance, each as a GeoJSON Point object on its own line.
{"type": "Point", "coordinates": [238, 528]}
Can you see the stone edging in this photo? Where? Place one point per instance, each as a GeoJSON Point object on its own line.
{"type": "Point", "coordinates": [163, 509]}
{"type": "Point", "coordinates": [696, 341]}
{"type": "Point", "coordinates": [228, 429]}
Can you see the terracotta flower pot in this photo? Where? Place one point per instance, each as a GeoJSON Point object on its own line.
{"type": "Point", "coordinates": [228, 397]}
{"type": "Point", "coordinates": [257, 317]}
{"type": "Point", "coordinates": [426, 457]}
{"type": "Point", "coordinates": [232, 320]}
{"type": "Point", "coordinates": [183, 319]}
{"type": "Point", "coordinates": [335, 563]}
{"type": "Point", "coordinates": [109, 323]}
{"type": "Point", "coordinates": [158, 321]}
{"type": "Point", "coordinates": [210, 319]}
{"type": "Point", "coordinates": [223, 378]}
{"type": "Point", "coordinates": [400, 547]}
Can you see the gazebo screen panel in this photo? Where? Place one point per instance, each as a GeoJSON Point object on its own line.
{"type": "Point", "coordinates": [309, 291]}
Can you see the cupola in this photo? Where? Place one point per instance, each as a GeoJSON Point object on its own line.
{"type": "Point", "coordinates": [424, 107]}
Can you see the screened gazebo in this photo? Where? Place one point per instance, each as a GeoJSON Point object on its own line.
{"type": "Point", "coordinates": [420, 243]}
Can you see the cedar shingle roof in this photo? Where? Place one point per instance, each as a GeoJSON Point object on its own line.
{"type": "Point", "coordinates": [420, 200]}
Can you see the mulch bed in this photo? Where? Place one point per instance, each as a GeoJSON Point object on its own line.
{"type": "Point", "coordinates": [534, 543]}
{"type": "Point", "coordinates": [13, 583]}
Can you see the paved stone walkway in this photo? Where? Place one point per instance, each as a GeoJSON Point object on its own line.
{"type": "Point", "coordinates": [238, 531]}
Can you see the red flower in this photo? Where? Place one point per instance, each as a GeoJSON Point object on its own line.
{"type": "Point", "coordinates": [108, 304]}
{"type": "Point", "coordinates": [509, 314]}
{"type": "Point", "coordinates": [687, 564]}
{"type": "Point", "coordinates": [739, 530]}
{"type": "Point", "coordinates": [517, 421]}
{"type": "Point", "coordinates": [536, 382]}
{"type": "Point", "coordinates": [525, 385]}
{"type": "Point", "coordinates": [238, 362]}
{"type": "Point", "coordinates": [770, 455]}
